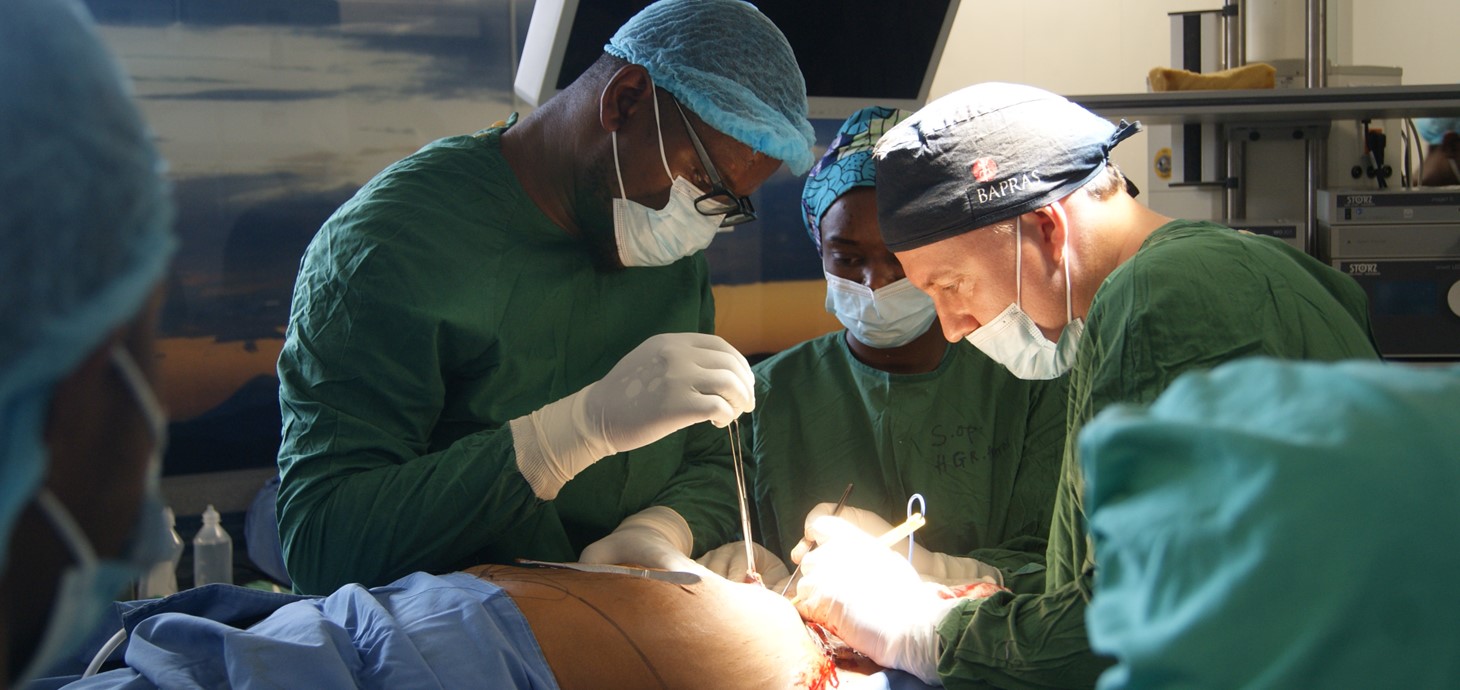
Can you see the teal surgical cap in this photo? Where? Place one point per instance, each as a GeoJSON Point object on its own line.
{"type": "Point", "coordinates": [729, 64]}
{"type": "Point", "coordinates": [1279, 524]}
{"type": "Point", "coordinates": [85, 224]}
{"type": "Point", "coordinates": [846, 164]}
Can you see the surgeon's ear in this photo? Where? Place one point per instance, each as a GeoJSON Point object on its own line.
{"type": "Point", "coordinates": [626, 91]}
{"type": "Point", "coordinates": [1053, 223]}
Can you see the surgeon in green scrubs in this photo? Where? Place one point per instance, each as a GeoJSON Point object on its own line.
{"type": "Point", "coordinates": [501, 347]}
{"type": "Point", "coordinates": [1000, 202]}
{"type": "Point", "coordinates": [889, 405]}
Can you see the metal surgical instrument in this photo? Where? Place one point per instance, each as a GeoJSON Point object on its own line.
{"type": "Point", "coordinates": [673, 576]}
{"type": "Point", "coordinates": [840, 503]}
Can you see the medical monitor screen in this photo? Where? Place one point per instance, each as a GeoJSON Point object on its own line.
{"type": "Point", "coordinates": [852, 52]}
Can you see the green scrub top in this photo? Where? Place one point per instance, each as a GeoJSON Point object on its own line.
{"type": "Point", "coordinates": [982, 446]}
{"type": "Point", "coordinates": [432, 308]}
{"type": "Point", "coordinates": [1195, 295]}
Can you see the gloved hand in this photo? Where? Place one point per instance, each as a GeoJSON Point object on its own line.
{"type": "Point", "coordinates": [728, 561]}
{"type": "Point", "coordinates": [871, 598]}
{"type": "Point", "coordinates": [932, 566]}
{"type": "Point", "coordinates": [655, 537]}
{"type": "Point", "coordinates": [668, 382]}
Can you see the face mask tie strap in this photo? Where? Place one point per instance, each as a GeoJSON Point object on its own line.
{"type": "Point", "coordinates": [1019, 261]}
{"type": "Point", "coordinates": [1019, 270]}
{"type": "Point", "coordinates": [61, 519]}
{"type": "Point", "coordinates": [663, 158]}
{"type": "Point", "coordinates": [660, 128]}
{"type": "Point", "coordinates": [1069, 302]}
{"type": "Point", "coordinates": [142, 392]}
{"type": "Point", "coordinates": [617, 171]}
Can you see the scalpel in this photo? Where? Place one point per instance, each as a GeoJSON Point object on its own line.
{"type": "Point", "coordinates": [673, 576]}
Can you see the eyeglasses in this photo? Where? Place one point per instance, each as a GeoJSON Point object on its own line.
{"type": "Point", "coordinates": [720, 200]}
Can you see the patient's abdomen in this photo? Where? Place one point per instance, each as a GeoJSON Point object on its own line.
{"type": "Point", "coordinates": [617, 631]}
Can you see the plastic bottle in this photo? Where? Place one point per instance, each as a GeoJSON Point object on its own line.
{"type": "Point", "coordinates": [212, 552]}
{"type": "Point", "coordinates": [161, 580]}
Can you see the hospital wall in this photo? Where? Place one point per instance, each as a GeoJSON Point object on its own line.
{"type": "Point", "coordinates": [1108, 46]}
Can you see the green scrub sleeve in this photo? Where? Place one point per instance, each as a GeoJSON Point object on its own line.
{"type": "Point", "coordinates": [363, 497]}
{"type": "Point", "coordinates": [1020, 641]}
{"type": "Point", "coordinates": [1194, 297]}
{"type": "Point", "coordinates": [1173, 313]}
{"type": "Point", "coordinates": [1021, 559]}
{"type": "Point", "coordinates": [429, 311]}
{"type": "Point", "coordinates": [368, 496]}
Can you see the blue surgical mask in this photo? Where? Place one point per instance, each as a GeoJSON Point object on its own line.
{"type": "Point", "coordinates": [890, 316]}
{"type": "Point", "coordinates": [91, 583]}
{"type": "Point", "coordinates": [659, 237]}
{"type": "Point", "coordinates": [1012, 338]}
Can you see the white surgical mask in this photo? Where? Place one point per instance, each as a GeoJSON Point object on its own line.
{"type": "Point", "coordinates": [659, 237]}
{"type": "Point", "coordinates": [1012, 338]}
{"type": "Point", "coordinates": [890, 316]}
{"type": "Point", "coordinates": [89, 585]}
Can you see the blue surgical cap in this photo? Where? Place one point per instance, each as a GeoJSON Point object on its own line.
{"type": "Point", "coordinates": [847, 163]}
{"type": "Point", "coordinates": [85, 225]}
{"type": "Point", "coordinates": [1433, 129]}
{"type": "Point", "coordinates": [729, 64]}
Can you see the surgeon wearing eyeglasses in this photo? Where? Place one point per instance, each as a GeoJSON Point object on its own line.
{"type": "Point", "coordinates": [503, 346]}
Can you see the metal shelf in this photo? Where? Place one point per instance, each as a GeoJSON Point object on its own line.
{"type": "Point", "coordinates": [1273, 106]}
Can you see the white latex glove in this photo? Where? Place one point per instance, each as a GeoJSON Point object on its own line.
{"type": "Point", "coordinates": [667, 383]}
{"type": "Point", "coordinates": [871, 598]}
{"type": "Point", "coordinates": [728, 561]}
{"type": "Point", "coordinates": [656, 537]}
{"type": "Point", "coordinates": [932, 566]}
